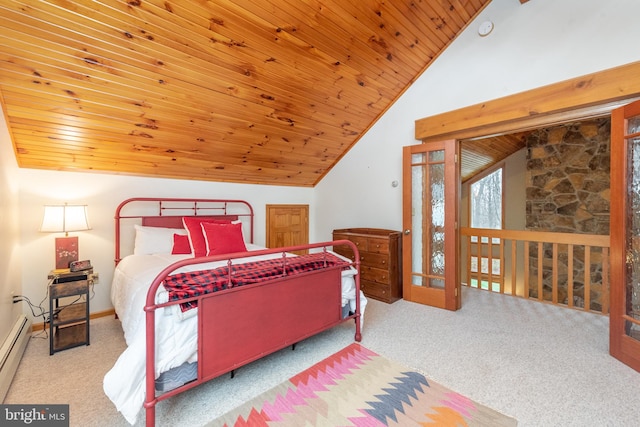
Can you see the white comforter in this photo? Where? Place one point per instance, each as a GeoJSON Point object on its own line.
{"type": "Point", "coordinates": [176, 332]}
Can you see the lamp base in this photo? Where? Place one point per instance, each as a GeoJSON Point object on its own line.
{"type": "Point", "coordinates": [66, 251]}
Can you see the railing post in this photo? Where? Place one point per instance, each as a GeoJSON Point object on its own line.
{"type": "Point", "coordinates": [514, 266]}
{"type": "Point", "coordinates": [570, 284]}
{"type": "Point", "coordinates": [554, 274]}
{"type": "Point", "coordinates": [540, 269]}
{"type": "Point", "coordinates": [587, 278]}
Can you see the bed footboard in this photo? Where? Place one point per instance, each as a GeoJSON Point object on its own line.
{"type": "Point", "coordinates": [242, 324]}
{"type": "Point", "coordinates": [303, 307]}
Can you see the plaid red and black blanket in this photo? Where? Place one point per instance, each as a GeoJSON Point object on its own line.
{"type": "Point", "coordinates": [201, 282]}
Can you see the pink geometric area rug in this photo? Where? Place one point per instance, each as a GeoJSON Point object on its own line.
{"type": "Point", "coordinates": [356, 387]}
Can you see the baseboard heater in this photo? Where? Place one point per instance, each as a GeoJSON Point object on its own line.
{"type": "Point", "coordinates": [11, 352]}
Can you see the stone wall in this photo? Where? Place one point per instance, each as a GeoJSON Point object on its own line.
{"type": "Point", "coordinates": [568, 190]}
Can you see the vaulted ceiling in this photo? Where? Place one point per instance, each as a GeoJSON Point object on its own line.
{"type": "Point", "coordinates": [268, 92]}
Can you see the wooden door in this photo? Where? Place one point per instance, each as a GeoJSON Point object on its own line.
{"type": "Point", "coordinates": [624, 317]}
{"type": "Point", "coordinates": [430, 218]}
{"type": "Point", "coordinates": [287, 225]}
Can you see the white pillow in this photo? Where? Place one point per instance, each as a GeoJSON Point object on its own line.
{"type": "Point", "coordinates": [154, 240]}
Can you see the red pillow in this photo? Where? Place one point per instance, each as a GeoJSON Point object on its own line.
{"type": "Point", "coordinates": [196, 236]}
{"type": "Point", "coordinates": [181, 244]}
{"type": "Point", "coordinates": [223, 238]}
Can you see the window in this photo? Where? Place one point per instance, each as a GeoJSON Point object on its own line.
{"type": "Point", "coordinates": [486, 201]}
{"type": "Point", "coordinates": [485, 211]}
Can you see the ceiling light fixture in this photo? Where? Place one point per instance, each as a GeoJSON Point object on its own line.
{"type": "Point", "coordinates": [485, 28]}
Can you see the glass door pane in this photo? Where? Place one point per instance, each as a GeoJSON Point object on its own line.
{"type": "Point", "coordinates": [632, 286]}
{"type": "Point", "coordinates": [418, 173]}
{"type": "Point", "coordinates": [427, 220]}
{"type": "Point", "coordinates": [436, 216]}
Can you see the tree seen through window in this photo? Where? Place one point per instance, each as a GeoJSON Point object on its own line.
{"type": "Point", "coordinates": [486, 201]}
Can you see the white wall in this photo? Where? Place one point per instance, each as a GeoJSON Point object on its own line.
{"type": "Point", "coordinates": [532, 45]}
{"type": "Point", "coordinates": [10, 279]}
{"type": "Point", "coordinates": [102, 194]}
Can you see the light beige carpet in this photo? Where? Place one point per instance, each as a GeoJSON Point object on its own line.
{"type": "Point", "coordinates": [544, 365]}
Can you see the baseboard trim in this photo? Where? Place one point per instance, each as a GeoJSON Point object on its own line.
{"type": "Point", "coordinates": [11, 351]}
{"type": "Point", "coordinates": [95, 315]}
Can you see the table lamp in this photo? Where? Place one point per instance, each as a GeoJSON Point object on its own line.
{"type": "Point", "coordinates": [63, 219]}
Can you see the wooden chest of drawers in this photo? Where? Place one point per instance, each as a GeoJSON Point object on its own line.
{"type": "Point", "coordinates": [380, 260]}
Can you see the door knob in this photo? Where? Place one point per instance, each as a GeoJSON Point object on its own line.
{"type": "Point", "coordinates": [407, 231]}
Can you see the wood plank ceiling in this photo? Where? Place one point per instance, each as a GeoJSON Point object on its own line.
{"type": "Point", "coordinates": [267, 92]}
{"type": "Point", "coordinates": [479, 154]}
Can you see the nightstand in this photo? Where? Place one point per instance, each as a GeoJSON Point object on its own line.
{"type": "Point", "coordinates": [68, 309]}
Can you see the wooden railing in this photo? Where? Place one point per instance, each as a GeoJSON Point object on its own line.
{"type": "Point", "coordinates": [559, 268]}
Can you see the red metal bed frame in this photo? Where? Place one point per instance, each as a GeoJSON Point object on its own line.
{"type": "Point", "coordinates": [169, 213]}
{"type": "Point", "coordinates": [307, 303]}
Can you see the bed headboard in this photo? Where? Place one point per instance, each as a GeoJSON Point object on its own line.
{"type": "Point", "coordinates": [168, 213]}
